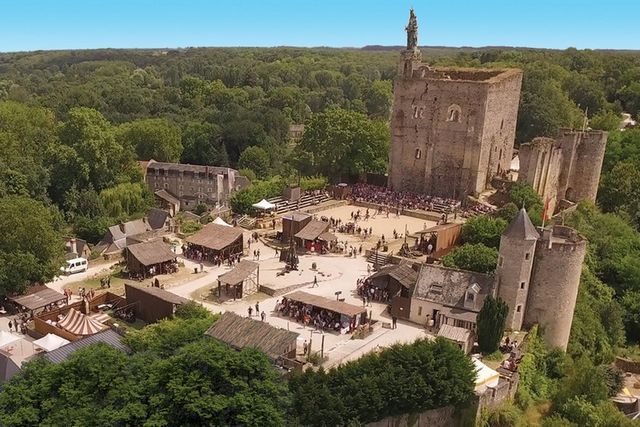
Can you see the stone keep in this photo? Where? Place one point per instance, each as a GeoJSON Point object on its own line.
{"type": "Point", "coordinates": [538, 276]}
{"type": "Point", "coordinates": [452, 129]}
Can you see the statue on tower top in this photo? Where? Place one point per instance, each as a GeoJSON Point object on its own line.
{"type": "Point", "coordinates": [412, 31]}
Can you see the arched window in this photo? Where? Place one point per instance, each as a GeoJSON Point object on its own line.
{"type": "Point", "coordinates": [454, 113]}
{"type": "Point", "coordinates": [418, 153]}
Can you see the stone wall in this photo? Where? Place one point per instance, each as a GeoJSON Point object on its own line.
{"type": "Point", "coordinates": [441, 417]}
{"type": "Point", "coordinates": [540, 167]}
{"type": "Point", "coordinates": [627, 365]}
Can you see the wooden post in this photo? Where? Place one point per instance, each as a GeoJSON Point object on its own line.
{"type": "Point", "coordinates": [322, 348]}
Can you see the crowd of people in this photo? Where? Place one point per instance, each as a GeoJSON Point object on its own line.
{"type": "Point", "coordinates": [369, 292]}
{"type": "Point", "coordinates": [402, 199]}
{"type": "Point", "coordinates": [321, 319]}
{"type": "Point", "coordinates": [193, 253]}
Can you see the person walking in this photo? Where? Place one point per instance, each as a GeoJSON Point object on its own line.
{"type": "Point", "coordinates": [263, 315]}
{"type": "Point", "coordinates": [394, 322]}
{"type": "Point", "coordinates": [257, 308]}
{"type": "Point", "coordinates": [10, 325]}
{"type": "Point", "coordinates": [315, 281]}
{"type": "Point", "coordinates": [305, 347]}
{"type": "Point", "coordinates": [250, 310]}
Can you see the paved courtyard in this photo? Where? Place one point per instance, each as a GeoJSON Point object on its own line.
{"type": "Point", "coordinates": [335, 273]}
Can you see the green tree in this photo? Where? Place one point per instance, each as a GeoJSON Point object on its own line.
{"type": "Point", "coordinates": [126, 199]}
{"type": "Point", "coordinates": [203, 145]}
{"type": "Point", "coordinates": [473, 257]}
{"type": "Point", "coordinates": [523, 195]}
{"type": "Point", "coordinates": [157, 139]}
{"type": "Point", "coordinates": [95, 150]}
{"type": "Point", "coordinates": [544, 106]}
{"type": "Point", "coordinates": [508, 212]}
{"type": "Point", "coordinates": [255, 159]}
{"type": "Point", "coordinates": [620, 190]}
{"type": "Point", "coordinates": [605, 120]}
{"type": "Point", "coordinates": [31, 248]}
{"type": "Point", "coordinates": [377, 99]}
{"type": "Point", "coordinates": [340, 142]}
{"type": "Point", "coordinates": [491, 322]}
{"type": "Point", "coordinates": [483, 229]}
{"type": "Point", "coordinates": [398, 380]}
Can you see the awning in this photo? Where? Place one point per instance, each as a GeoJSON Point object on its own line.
{"type": "Point", "coordinates": [7, 338]}
{"type": "Point", "coordinates": [485, 376]}
{"type": "Point", "coordinates": [221, 221]}
{"type": "Point", "coordinates": [50, 342]}
{"type": "Point", "coordinates": [80, 324]}
{"type": "Point", "coordinates": [327, 236]}
{"type": "Point", "coordinates": [263, 205]}
{"type": "Point", "coordinates": [312, 230]}
{"type": "Point", "coordinates": [38, 299]}
{"type": "Point", "coordinates": [340, 307]}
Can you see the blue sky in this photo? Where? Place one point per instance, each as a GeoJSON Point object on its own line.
{"type": "Point", "coordinates": [62, 24]}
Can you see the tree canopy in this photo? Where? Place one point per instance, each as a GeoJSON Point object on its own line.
{"type": "Point", "coordinates": [31, 247]}
{"type": "Point", "coordinates": [340, 142]}
{"type": "Point", "coordinates": [473, 257]}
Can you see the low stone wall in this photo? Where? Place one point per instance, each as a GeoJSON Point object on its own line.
{"type": "Point", "coordinates": [426, 215]}
{"type": "Point", "coordinates": [504, 390]}
{"type": "Point", "coordinates": [441, 417]}
{"type": "Point", "coordinates": [627, 365]}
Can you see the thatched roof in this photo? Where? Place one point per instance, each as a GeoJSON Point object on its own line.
{"type": "Point", "coordinates": [215, 236]}
{"type": "Point", "coordinates": [151, 253]}
{"type": "Point", "coordinates": [242, 332]}
{"type": "Point", "coordinates": [38, 299]}
{"type": "Point", "coordinates": [326, 303]}
{"type": "Point", "coordinates": [312, 230]}
{"type": "Point", "coordinates": [240, 272]}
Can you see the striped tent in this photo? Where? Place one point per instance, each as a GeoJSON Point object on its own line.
{"type": "Point", "coordinates": [80, 324]}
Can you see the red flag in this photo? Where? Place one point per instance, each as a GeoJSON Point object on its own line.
{"type": "Point", "coordinates": [546, 208]}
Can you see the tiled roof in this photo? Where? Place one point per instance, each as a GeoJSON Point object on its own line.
{"type": "Point", "coordinates": [448, 286]}
{"type": "Point", "coordinates": [521, 228]}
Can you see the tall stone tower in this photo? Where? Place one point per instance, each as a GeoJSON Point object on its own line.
{"type": "Point", "coordinates": [554, 283]}
{"type": "Point", "coordinates": [515, 262]}
{"type": "Point", "coordinates": [452, 129]}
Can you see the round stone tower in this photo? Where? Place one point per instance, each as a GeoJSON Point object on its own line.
{"type": "Point", "coordinates": [554, 283]}
{"type": "Point", "coordinates": [517, 248]}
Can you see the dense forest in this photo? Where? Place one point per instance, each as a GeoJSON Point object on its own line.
{"type": "Point", "coordinates": [73, 125]}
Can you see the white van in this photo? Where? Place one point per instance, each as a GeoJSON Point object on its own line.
{"type": "Point", "coordinates": [76, 265]}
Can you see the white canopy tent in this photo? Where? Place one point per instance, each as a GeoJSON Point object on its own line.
{"type": "Point", "coordinates": [7, 338]}
{"type": "Point", "coordinates": [50, 342]}
{"type": "Point", "coordinates": [515, 164]}
{"type": "Point", "coordinates": [263, 205]}
{"type": "Point", "coordinates": [485, 376]}
{"type": "Point", "coordinates": [221, 221]}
